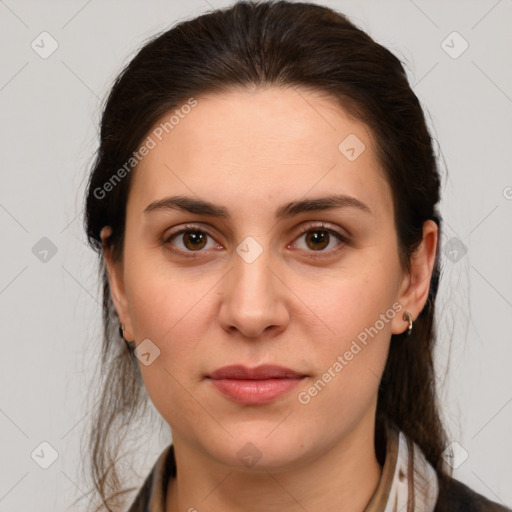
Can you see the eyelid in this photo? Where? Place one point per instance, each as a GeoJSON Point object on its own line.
{"type": "Point", "coordinates": [188, 227]}
{"type": "Point", "coordinates": [325, 226]}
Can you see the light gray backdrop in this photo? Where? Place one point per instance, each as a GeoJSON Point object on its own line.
{"type": "Point", "coordinates": [458, 57]}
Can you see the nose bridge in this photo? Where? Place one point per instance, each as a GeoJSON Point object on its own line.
{"type": "Point", "coordinates": [251, 277]}
{"type": "Point", "coordinates": [253, 299]}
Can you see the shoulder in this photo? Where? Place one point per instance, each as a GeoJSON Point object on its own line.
{"type": "Point", "coordinates": [454, 496]}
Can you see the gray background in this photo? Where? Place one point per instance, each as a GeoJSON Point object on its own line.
{"type": "Point", "coordinates": [49, 303]}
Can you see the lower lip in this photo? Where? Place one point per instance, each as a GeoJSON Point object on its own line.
{"type": "Point", "coordinates": [254, 391]}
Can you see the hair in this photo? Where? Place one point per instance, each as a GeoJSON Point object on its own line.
{"type": "Point", "coordinates": [261, 44]}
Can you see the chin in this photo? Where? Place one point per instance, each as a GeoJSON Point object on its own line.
{"type": "Point", "coordinates": [255, 450]}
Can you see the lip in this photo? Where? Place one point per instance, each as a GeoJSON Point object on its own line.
{"type": "Point", "coordinates": [252, 386]}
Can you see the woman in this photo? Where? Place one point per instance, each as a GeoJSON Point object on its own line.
{"type": "Point", "coordinates": [264, 205]}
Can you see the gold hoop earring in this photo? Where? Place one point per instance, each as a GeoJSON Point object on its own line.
{"type": "Point", "coordinates": [408, 318]}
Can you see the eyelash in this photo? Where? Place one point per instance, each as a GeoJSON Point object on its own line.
{"type": "Point", "coordinates": [190, 228]}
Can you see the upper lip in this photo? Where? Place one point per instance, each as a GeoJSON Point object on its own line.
{"type": "Point", "coordinates": [262, 372]}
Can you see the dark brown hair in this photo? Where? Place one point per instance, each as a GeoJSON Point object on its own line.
{"type": "Point", "coordinates": [280, 44]}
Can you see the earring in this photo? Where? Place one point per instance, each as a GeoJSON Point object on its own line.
{"type": "Point", "coordinates": [121, 333]}
{"type": "Point", "coordinates": [408, 318]}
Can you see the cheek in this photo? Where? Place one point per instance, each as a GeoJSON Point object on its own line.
{"type": "Point", "coordinates": [357, 313]}
{"type": "Point", "coordinates": [160, 297]}
{"type": "Point", "coordinates": [168, 311]}
{"type": "Point", "coordinates": [351, 361]}
{"type": "Point", "coordinates": [352, 303]}
{"type": "Point", "coordinates": [172, 308]}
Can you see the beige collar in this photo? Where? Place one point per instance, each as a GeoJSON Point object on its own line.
{"type": "Point", "coordinates": [408, 481]}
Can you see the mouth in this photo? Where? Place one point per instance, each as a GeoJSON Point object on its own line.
{"type": "Point", "coordinates": [253, 386]}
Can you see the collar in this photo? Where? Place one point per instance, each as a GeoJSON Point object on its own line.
{"type": "Point", "coordinates": [408, 481]}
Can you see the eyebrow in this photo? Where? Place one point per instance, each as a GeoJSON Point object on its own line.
{"type": "Point", "coordinates": [202, 207]}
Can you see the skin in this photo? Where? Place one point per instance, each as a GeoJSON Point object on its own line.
{"type": "Point", "coordinates": [252, 152]}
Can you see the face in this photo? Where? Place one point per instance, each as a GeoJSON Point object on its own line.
{"type": "Point", "coordinates": [284, 254]}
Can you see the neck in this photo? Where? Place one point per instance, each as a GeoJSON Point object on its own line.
{"type": "Point", "coordinates": [343, 478]}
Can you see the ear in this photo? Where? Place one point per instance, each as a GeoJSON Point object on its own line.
{"type": "Point", "coordinates": [116, 282]}
{"type": "Point", "coordinates": [415, 284]}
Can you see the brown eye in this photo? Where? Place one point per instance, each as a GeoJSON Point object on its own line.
{"type": "Point", "coordinates": [194, 240]}
{"type": "Point", "coordinates": [189, 239]}
{"type": "Point", "coordinates": [318, 238]}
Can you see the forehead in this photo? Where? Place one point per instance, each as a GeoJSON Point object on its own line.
{"type": "Point", "coordinates": [247, 147]}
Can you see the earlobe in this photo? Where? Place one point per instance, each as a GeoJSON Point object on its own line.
{"type": "Point", "coordinates": [416, 284]}
{"type": "Point", "coordinates": [116, 282]}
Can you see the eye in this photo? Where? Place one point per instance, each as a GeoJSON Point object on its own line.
{"type": "Point", "coordinates": [190, 239]}
{"type": "Point", "coordinates": [319, 237]}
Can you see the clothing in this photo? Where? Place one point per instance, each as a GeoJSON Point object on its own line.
{"type": "Point", "coordinates": [408, 483]}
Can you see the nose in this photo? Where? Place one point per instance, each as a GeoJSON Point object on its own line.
{"type": "Point", "coordinates": [253, 298]}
